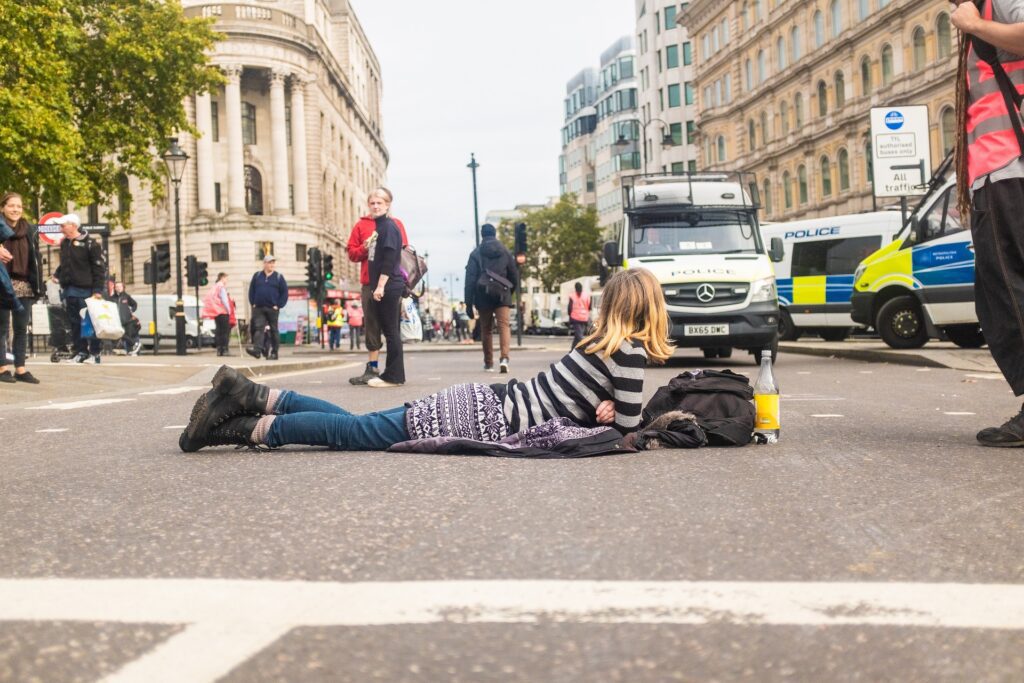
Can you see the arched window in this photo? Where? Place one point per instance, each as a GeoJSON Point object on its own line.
{"type": "Point", "coordinates": [869, 163]}
{"type": "Point", "coordinates": [784, 117]}
{"type": "Point", "coordinates": [748, 74]}
{"type": "Point", "coordinates": [798, 110]}
{"type": "Point", "coordinates": [836, 11]}
{"type": "Point", "coordinates": [780, 54]}
{"type": "Point", "coordinates": [767, 197]}
{"type": "Point", "coordinates": [721, 148]}
{"type": "Point", "coordinates": [919, 51]}
{"type": "Point", "coordinates": [948, 119]}
{"type": "Point", "coordinates": [944, 36]}
{"type": "Point", "coordinates": [826, 177]}
{"type": "Point", "coordinates": [766, 129]}
{"type": "Point", "coordinates": [751, 135]}
{"type": "Point", "coordinates": [794, 44]}
{"type": "Point", "coordinates": [787, 190]}
{"type": "Point", "coordinates": [844, 170]}
{"type": "Point", "coordinates": [865, 77]}
{"type": "Point", "coordinates": [253, 191]}
{"type": "Point", "coordinates": [863, 9]}
{"type": "Point", "coordinates": [840, 85]}
{"type": "Point", "coordinates": [822, 99]}
{"type": "Point", "coordinates": [762, 68]}
{"type": "Point", "coordinates": [819, 29]}
{"type": "Point", "coordinates": [744, 17]}
{"type": "Point", "coordinates": [248, 123]}
{"type": "Point", "coordinates": [707, 156]}
{"type": "Point", "coordinates": [801, 174]}
{"type": "Point", "coordinates": [886, 65]}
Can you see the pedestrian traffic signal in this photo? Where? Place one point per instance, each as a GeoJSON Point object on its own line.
{"type": "Point", "coordinates": [163, 262]}
{"type": "Point", "coordinates": [328, 267]}
{"type": "Point", "coordinates": [191, 271]}
{"type": "Point", "coordinates": [202, 273]}
{"type": "Point", "coordinates": [314, 272]}
{"type": "Point", "coordinates": [147, 273]}
{"type": "Point", "coordinates": [520, 242]}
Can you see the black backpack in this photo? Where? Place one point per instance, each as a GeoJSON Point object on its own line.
{"type": "Point", "coordinates": [489, 283]}
{"type": "Point", "coordinates": [720, 400]}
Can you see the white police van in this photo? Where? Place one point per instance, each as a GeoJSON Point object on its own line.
{"type": "Point", "coordinates": [815, 276]}
{"type": "Point", "coordinates": [699, 234]}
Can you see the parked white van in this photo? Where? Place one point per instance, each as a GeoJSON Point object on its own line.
{"type": "Point", "coordinates": [165, 305]}
{"type": "Point", "coordinates": [815, 277]}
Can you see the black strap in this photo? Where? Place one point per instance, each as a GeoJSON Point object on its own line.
{"type": "Point", "coordinates": [1011, 96]}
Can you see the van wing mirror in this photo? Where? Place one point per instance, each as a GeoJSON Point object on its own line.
{"type": "Point", "coordinates": [611, 254]}
{"type": "Point", "coordinates": [777, 252]}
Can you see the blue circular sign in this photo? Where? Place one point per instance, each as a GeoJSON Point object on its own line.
{"type": "Point", "coordinates": [894, 120]}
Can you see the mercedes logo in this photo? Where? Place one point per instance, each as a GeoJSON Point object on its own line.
{"type": "Point", "coordinates": [705, 293]}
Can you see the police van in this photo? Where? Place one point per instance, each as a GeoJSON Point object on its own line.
{"type": "Point", "coordinates": [815, 276]}
{"type": "Point", "coordinates": [921, 286]}
{"type": "Point", "coordinates": [699, 234]}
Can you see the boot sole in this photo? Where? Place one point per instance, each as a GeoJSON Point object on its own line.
{"type": "Point", "coordinates": [199, 412]}
{"type": "Point", "coordinates": [1008, 444]}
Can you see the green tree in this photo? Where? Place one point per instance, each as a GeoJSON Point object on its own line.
{"type": "Point", "coordinates": [90, 90]}
{"type": "Point", "coordinates": [566, 234]}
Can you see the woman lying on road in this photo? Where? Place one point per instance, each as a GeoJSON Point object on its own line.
{"type": "Point", "coordinates": [600, 382]}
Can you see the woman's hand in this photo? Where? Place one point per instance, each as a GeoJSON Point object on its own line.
{"type": "Point", "coordinates": [5, 256]}
{"type": "Point", "coordinates": [606, 412]}
{"type": "Point", "coordinates": [378, 294]}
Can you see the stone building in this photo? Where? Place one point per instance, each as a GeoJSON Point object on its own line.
{"type": "Point", "coordinates": [784, 89]}
{"type": "Point", "coordinates": [288, 149]}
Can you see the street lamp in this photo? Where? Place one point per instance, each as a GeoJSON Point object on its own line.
{"type": "Point", "coordinates": [175, 159]}
{"type": "Point", "coordinates": [472, 166]}
{"type": "Point", "coordinates": [666, 139]}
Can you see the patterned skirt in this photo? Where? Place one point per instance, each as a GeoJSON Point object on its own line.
{"type": "Point", "coordinates": [465, 411]}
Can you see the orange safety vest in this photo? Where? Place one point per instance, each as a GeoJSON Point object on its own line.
{"type": "Point", "coordinates": [991, 140]}
{"type": "Point", "coordinates": [580, 307]}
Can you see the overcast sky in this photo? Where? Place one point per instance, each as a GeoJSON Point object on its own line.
{"type": "Point", "coordinates": [479, 76]}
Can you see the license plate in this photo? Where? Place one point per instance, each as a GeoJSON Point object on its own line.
{"type": "Point", "coordinates": [705, 330]}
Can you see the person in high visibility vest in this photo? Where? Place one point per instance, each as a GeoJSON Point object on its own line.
{"type": "Point", "coordinates": [990, 175]}
{"type": "Point", "coordinates": [579, 314]}
{"type": "Point", "coordinates": [335, 320]}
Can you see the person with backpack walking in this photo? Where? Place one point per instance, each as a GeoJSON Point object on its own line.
{"type": "Point", "coordinates": [365, 230]}
{"type": "Point", "coordinates": [81, 276]}
{"type": "Point", "coordinates": [579, 313]}
{"type": "Point", "coordinates": [491, 277]}
{"type": "Point", "coordinates": [990, 177]}
{"type": "Point", "coordinates": [600, 383]}
{"type": "Point", "coordinates": [19, 258]}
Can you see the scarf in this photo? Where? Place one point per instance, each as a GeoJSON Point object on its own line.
{"type": "Point", "coordinates": [17, 244]}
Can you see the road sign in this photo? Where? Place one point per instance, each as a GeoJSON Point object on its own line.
{"type": "Point", "coordinates": [49, 231]}
{"type": "Point", "coordinates": [901, 150]}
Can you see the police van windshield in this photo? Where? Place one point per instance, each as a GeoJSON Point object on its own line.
{"type": "Point", "coordinates": [693, 232]}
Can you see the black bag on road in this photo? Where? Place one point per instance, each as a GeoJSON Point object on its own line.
{"type": "Point", "coordinates": [720, 401]}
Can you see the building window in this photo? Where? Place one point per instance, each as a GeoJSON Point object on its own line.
{"type": "Point", "coordinates": [767, 197]}
{"type": "Point", "coordinates": [725, 31]}
{"type": "Point", "coordinates": [688, 92]}
{"type": "Point", "coordinates": [291, 199]}
{"type": "Point", "coordinates": [688, 49]}
{"type": "Point", "coordinates": [216, 197]}
{"type": "Point", "coordinates": [248, 123]}
{"type": "Point", "coordinates": [253, 191]}
{"type": "Point", "coordinates": [869, 163]}
{"type": "Point", "coordinates": [751, 135]}
{"type": "Point", "coordinates": [288, 122]}
{"type": "Point", "coordinates": [919, 51]}
{"type": "Point", "coordinates": [826, 178]}
{"type": "Point", "coordinates": [676, 131]}
{"type": "Point", "coordinates": [886, 65]}
{"type": "Point", "coordinates": [748, 75]}
{"type": "Point", "coordinates": [844, 170]}
{"type": "Point", "coordinates": [670, 17]}
{"type": "Point", "coordinates": [673, 95]}
{"type": "Point", "coordinates": [801, 174]}
{"type": "Point", "coordinates": [219, 251]}
{"type": "Point", "coordinates": [728, 88]}
{"type": "Point", "coordinates": [840, 85]}
{"type": "Point", "coordinates": [657, 23]}
{"type": "Point", "coordinates": [264, 249]}
{"type": "Point", "coordinates": [944, 36]}
{"type": "Point", "coordinates": [766, 129]}
{"type": "Point", "coordinates": [762, 68]}
{"type": "Point", "coordinates": [794, 44]}
{"type": "Point", "coordinates": [127, 263]}
{"type": "Point", "coordinates": [863, 10]}
{"type": "Point", "coordinates": [691, 131]}
{"type": "Point", "coordinates": [721, 148]}
{"type": "Point", "coordinates": [798, 110]}
{"type": "Point", "coordinates": [819, 29]}
{"type": "Point", "coordinates": [691, 166]}
{"type": "Point", "coordinates": [836, 10]}
{"type": "Point", "coordinates": [822, 99]}
{"type": "Point", "coordinates": [124, 196]}
{"type": "Point", "coordinates": [300, 253]}
{"type": "Point", "coordinates": [948, 121]}
{"type": "Point", "coordinates": [784, 117]}
{"type": "Point", "coordinates": [657, 58]}
{"type": "Point", "coordinates": [744, 17]}
{"type": "Point", "coordinates": [214, 122]}
{"type": "Point", "coordinates": [865, 77]}
{"type": "Point", "coordinates": [677, 168]}
{"type": "Point", "coordinates": [787, 190]}
{"type": "Point", "coordinates": [780, 54]}
{"type": "Point", "coordinates": [672, 56]}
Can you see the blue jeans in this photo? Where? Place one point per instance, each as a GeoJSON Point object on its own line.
{"type": "Point", "coordinates": [335, 337]}
{"type": "Point", "coordinates": [313, 422]}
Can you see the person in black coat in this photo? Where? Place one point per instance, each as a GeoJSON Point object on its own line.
{"type": "Point", "coordinates": [19, 258]}
{"type": "Point", "coordinates": [491, 279]}
{"type": "Point", "coordinates": [388, 283]}
{"type": "Point", "coordinates": [82, 275]}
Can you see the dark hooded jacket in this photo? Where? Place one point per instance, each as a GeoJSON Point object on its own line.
{"type": "Point", "coordinates": [495, 257]}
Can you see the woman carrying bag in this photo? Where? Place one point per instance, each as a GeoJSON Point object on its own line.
{"type": "Point", "coordinates": [19, 254]}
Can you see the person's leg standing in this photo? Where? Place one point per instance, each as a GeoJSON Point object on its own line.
{"type": "Point", "coordinates": [275, 336]}
{"type": "Point", "coordinates": [501, 315]}
{"type": "Point", "coordinates": [485, 321]}
{"type": "Point", "coordinates": [371, 325]}
{"type": "Point", "coordinates": [389, 312]}
{"type": "Point", "coordinates": [259, 321]}
{"type": "Point", "coordinates": [74, 307]}
{"type": "Point", "coordinates": [5, 326]}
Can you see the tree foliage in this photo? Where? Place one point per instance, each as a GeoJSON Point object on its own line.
{"type": "Point", "coordinates": [92, 89]}
{"type": "Point", "coordinates": [563, 242]}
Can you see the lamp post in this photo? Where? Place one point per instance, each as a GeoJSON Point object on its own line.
{"type": "Point", "coordinates": [472, 166]}
{"type": "Point", "coordinates": [666, 138]}
{"type": "Point", "coordinates": [174, 159]}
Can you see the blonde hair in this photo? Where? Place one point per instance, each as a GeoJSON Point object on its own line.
{"type": "Point", "coordinates": [632, 308]}
{"type": "Point", "coordinates": [8, 196]}
{"type": "Point", "coordinates": [383, 193]}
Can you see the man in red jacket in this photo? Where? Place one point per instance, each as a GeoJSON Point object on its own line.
{"type": "Point", "coordinates": [379, 203]}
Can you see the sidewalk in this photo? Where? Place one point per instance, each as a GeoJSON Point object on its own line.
{"type": "Point", "coordinates": [933, 355]}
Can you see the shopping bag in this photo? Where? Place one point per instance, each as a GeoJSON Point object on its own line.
{"type": "Point", "coordinates": [87, 331]}
{"type": "Point", "coordinates": [106, 319]}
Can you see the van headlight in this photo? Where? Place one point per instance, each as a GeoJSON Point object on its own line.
{"type": "Point", "coordinates": [763, 290]}
{"type": "Point", "coordinates": [857, 274]}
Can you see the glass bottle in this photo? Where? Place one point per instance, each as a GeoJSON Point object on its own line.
{"type": "Point", "coordinates": [766, 403]}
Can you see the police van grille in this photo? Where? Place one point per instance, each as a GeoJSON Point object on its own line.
{"type": "Point", "coordinates": [726, 294]}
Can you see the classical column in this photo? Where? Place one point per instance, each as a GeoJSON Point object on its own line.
{"type": "Point", "coordinates": [279, 143]}
{"type": "Point", "coordinates": [236, 160]}
{"type": "Point", "coordinates": [300, 185]}
{"type": "Point", "coordinates": [204, 154]}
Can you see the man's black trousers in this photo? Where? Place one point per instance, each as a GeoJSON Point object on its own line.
{"type": "Point", "coordinates": [997, 226]}
{"type": "Point", "coordinates": [261, 317]}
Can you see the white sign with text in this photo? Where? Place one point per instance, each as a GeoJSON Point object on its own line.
{"type": "Point", "coordinates": [901, 148]}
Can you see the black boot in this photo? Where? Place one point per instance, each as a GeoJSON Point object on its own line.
{"type": "Point", "coordinates": [237, 431]}
{"type": "Point", "coordinates": [251, 350]}
{"type": "Point", "coordinates": [367, 375]}
{"type": "Point", "coordinates": [1009, 435]}
{"type": "Point", "coordinates": [232, 394]}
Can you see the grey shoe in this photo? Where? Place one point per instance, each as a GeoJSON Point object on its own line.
{"type": "Point", "coordinates": [1009, 435]}
{"type": "Point", "coordinates": [364, 378]}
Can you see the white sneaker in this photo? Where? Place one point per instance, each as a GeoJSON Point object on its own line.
{"type": "Point", "coordinates": [503, 366]}
{"type": "Point", "coordinates": [79, 358]}
{"type": "Point", "coordinates": [378, 383]}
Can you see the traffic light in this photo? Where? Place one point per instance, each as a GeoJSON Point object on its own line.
{"type": "Point", "coordinates": [202, 273]}
{"type": "Point", "coordinates": [147, 273]}
{"type": "Point", "coordinates": [520, 243]}
{"type": "Point", "coordinates": [191, 271]}
{"type": "Point", "coordinates": [163, 262]}
{"type": "Point", "coordinates": [328, 267]}
{"type": "Point", "coordinates": [314, 274]}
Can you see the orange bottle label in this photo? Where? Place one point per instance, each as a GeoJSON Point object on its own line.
{"type": "Point", "coordinates": [767, 411]}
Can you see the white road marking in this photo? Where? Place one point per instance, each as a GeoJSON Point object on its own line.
{"type": "Point", "coordinates": [957, 413]}
{"type": "Point", "coordinates": [173, 391]}
{"type": "Point", "coordinates": [175, 426]}
{"type": "Point", "coordinates": [827, 415]}
{"type": "Point", "coordinates": [231, 620]}
{"type": "Point", "coordinates": [431, 379]}
{"type": "Point", "coordinates": [818, 398]}
{"type": "Point", "coordinates": [74, 405]}
{"type": "Point", "coordinates": [923, 370]}
{"type": "Point", "coordinates": [987, 375]}
{"type": "Point", "coordinates": [803, 372]}
{"type": "Point", "coordinates": [316, 381]}
{"type": "Point", "coordinates": [52, 430]}
{"type": "Point", "coordinates": [866, 372]}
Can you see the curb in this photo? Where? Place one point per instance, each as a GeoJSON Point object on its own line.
{"type": "Point", "coordinates": [912, 358]}
{"type": "Point", "coordinates": [277, 368]}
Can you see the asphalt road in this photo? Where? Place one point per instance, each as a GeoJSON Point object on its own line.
{"type": "Point", "coordinates": [877, 483]}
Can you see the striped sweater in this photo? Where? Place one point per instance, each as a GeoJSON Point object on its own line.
{"type": "Point", "coordinates": [575, 385]}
